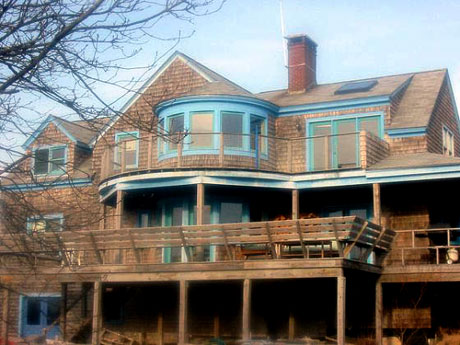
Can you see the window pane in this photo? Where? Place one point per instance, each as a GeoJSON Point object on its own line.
{"type": "Point", "coordinates": [33, 311]}
{"type": "Point", "coordinates": [54, 224]}
{"type": "Point", "coordinates": [206, 214]}
{"type": "Point", "coordinates": [177, 216]}
{"type": "Point", "coordinates": [202, 124]}
{"type": "Point", "coordinates": [321, 145]}
{"type": "Point", "coordinates": [346, 144]}
{"type": "Point", "coordinates": [53, 310]}
{"type": "Point", "coordinates": [257, 129]}
{"type": "Point", "coordinates": [370, 125]}
{"type": "Point", "coordinates": [176, 126]}
{"type": "Point", "coordinates": [130, 143]}
{"type": "Point", "coordinates": [41, 161]}
{"type": "Point", "coordinates": [231, 212]}
{"type": "Point", "coordinates": [176, 254]}
{"type": "Point", "coordinates": [359, 212]}
{"type": "Point", "coordinates": [232, 127]}
{"type": "Point", "coordinates": [58, 153]}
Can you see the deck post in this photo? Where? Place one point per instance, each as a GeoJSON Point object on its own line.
{"type": "Point", "coordinates": [247, 310]}
{"type": "Point", "coordinates": [378, 313]}
{"type": "Point", "coordinates": [5, 314]}
{"type": "Point", "coordinates": [377, 206]}
{"type": "Point", "coordinates": [291, 335]}
{"type": "Point", "coordinates": [295, 204]}
{"type": "Point", "coordinates": [160, 329]}
{"type": "Point", "coordinates": [119, 209]}
{"type": "Point", "coordinates": [63, 316]}
{"type": "Point", "coordinates": [97, 313]}
{"type": "Point", "coordinates": [183, 310]}
{"type": "Point", "coordinates": [341, 293]}
{"type": "Point", "coordinates": [199, 217]}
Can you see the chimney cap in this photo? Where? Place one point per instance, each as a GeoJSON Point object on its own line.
{"type": "Point", "coordinates": [300, 37]}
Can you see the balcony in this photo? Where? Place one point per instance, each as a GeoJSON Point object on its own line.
{"type": "Point", "coordinates": [240, 151]}
{"type": "Point", "coordinates": [312, 240]}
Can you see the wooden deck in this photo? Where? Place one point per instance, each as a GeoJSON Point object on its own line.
{"type": "Point", "coordinates": [260, 249]}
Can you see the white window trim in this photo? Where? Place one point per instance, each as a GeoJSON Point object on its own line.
{"type": "Point", "coordinates": [448, 141]}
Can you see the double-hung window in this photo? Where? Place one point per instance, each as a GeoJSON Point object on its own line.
{"type": "Point", "coordinates": [44, 223]}
{"type": "Point", "coordinates": [176, 130]}
{"type": "Point", "coordinates": [201, 127]}
{"type": "Point", "coordinates": [50, 160]}
{"type": "Point", "coordinates": [232, 128]}
{"type": "Point", "coordinates": [129, 141]}
{"type": "Point", "coordinates": [447, 142]}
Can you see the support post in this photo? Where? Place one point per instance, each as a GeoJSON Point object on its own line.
{"type": "Point", "coordinates": [246, 310]}
{"type": "Point", "coordinates": [295, 204]}
{"type": "Point", "coordinates": [183, 310]}
{"type": "Point", "coordinates": [341, 293]}
{"type": "Point", "coordinates": [216, 325]}
{"type": "Point", "coordinates": [160, 329]}
{"type": "Point", "coordinates": [63, 316]}
{"type": "Point", "coordinates": [5, 314]}
{"type": "Point", "coordinates": [291, 326]}
{"type": "Point", "coordinates": [377, 205]}
{"type": "Point", "coordinates": [119, 209]}
{"type": "Point", "coordinates": [378, 313]}
{"type": "Point", "coordinates": [97, 313]}
{"type": "Point", "coordinates": [199, 203]}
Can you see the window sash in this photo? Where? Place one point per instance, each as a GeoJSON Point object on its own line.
{"type": "Point", "coordinates": [45, 223]}
{"type": "Point", "coordinates": [232, 127]}
{"type": "Point", "coordinates": [202, 128]}
{"type": "Point", "coordinates": [131, 141]}
{"type": "Point", "coordinates": [49, 160]}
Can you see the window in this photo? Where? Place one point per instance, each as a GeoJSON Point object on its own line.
{"type": "Point", "coordinates": [50, 160]}
{"type": "Point", "coordinates": [52, 222]}
{"type": "Point", "coordinates": [334, 144]}
{"type": "Point", "coordinates": [258, 130]}
{"type": "Point", "coordinates": [447, 142]}
{"type": "Point", "coordinates": [130, 142]}
{"type": "Point", "coordinates": [201, 129]}
{"type": "Point", "coordinates": [39, 312]}
{"type": "Point", "coordinates": [359, 86]}
{"type": "Point", "coordinates": [176, 130]}
{"type": "Point", "coordinates": [232, 127]}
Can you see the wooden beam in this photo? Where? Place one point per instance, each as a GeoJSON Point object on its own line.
{"type": "Point", "coordinates": [336, 234]}
{"type": "Point", "coordinates": [270, 242]}
{"type": "Point", "coordinates": [183, 310]}
{"type": "Point", "coordinates": [378, 313]}
{"type": "Point", "coordinates": [5, 314]}
{"type": "Point", "coordinates": [119, 209]}
{"type": "Point", "coordinates": [341, 322]}
{"type": "Point", "coordinates": [227, 247]}
{"type": "Point", "coordinates": [377, 205]}
{"type": "Point", "coordinates": [291, 335]}
{"type": "Point", "coordinates": [63, 314]}
{"type": "Point", "coordinates": [199, 203]}
{"type": "Point", "coordinates": [350, 247]}
{"type": "Point", "coordinates": [295, 204]}
{"type": "Point", "coordinates": [97, 313]}
{"type": "Point", "coordinates": [160, 329]}
{"type": "Point", "coordinates": [184, 245]}
{"type": "Point", "coordinates": [216, 325]}
{"type": "Point", "coordinates": [302, 244]}
{"type": "Point", "coordinates": [246, 310]}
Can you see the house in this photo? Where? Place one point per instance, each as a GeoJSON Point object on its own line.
{"type": "Point", "coordinates": [205, 213]}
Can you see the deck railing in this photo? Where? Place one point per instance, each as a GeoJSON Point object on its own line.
{"type": "Point", "coordinates": [227, 150]}
{"type": "Point", "coordinates": [319, 238]}
{"type": "Point", "coordinates": [425, 247]}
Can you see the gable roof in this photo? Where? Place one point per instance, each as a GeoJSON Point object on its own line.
{"type": "Point", "coordinates": [217, 85]}
{"type": "Point", "coordinates": [81, 135]}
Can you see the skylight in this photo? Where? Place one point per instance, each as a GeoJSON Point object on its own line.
{"type": "Point", "coordinates": [359, 86]}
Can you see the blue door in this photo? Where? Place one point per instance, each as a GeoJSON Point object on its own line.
{"type": "Point", "coordinates": [38, 313]}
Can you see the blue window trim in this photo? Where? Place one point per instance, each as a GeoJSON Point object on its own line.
{"type": "Point", "coordinates": [56, 216]}
{"type": "Point", "coordinates": [333, 121]}
{"type": "Point", "coordinates": [135, 135]}
{"type": "Point", "coordinates": [217, 108]}
{"type": "Point", "coordinates": [22, 304]}
{"type": "Point", "coordinates": [50, 148]}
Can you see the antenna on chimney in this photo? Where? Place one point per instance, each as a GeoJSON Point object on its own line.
{"type": "Point", "coordinates": [283, 34]}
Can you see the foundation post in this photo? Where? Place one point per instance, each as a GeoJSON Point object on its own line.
{"type": "Point", "coordinates": [97, 313]}
{"type": "Point", "coordinates": [183, 310]}
{"type": "Point", "coordinates": [247, 310]}
{"type": "Point", "coordinates": [341, 293]}
{"type": "Point", "coordinates": [378, 313]}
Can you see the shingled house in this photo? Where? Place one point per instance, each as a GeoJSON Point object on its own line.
{"type": "Point", "coordinates": [205, 213]}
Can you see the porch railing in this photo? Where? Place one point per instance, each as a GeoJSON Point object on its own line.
{"type": "Point", "coordinates": [319, 238]}
{"type": "Point", "coordinates": [227, 150]}
{"type": "Point", "coordinates": [425, 247]}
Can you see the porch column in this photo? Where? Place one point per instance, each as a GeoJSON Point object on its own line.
{"type": "Point", "coordinates": [247, 310]}
{"type": "Point", "coordinates": [119, 209]}
{"type": "Point", "coordinates": [377, 207]}
{"type": "Point", "coordinates": [63, 317]}
{"type": "Point", "coordinates": [295, 204]}
{"type": "Point", "coordinates": [183, 310]}
{"type": "Point", "coordinates": [378, 313]}
{"type": "Point", "coordinates": [5, 314]}
{"type": "Point", "coordinates": [199, 203]}
{"type": "Point", "coordinates": [97, 313]}
{"type": "Point", "coordinates": [341, 293]}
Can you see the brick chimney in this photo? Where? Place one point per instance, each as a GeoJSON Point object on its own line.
{"type": "Point", "coordinates": [301, 63]}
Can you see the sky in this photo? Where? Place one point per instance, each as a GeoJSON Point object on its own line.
{"type": "Point", "coordinates": [356, 39]}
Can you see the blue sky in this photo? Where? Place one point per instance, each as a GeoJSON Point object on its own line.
{"type": "Point", "coordinates": [356, 39]}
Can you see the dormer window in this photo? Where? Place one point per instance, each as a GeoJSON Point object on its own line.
{"type": "Point", "coordinates": [447, 141]}
{"type": "Point", "coordinates": [50, 160]}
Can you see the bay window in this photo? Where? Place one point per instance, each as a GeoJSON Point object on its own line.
{"type": "Point", "coordinates": [232, 128]}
